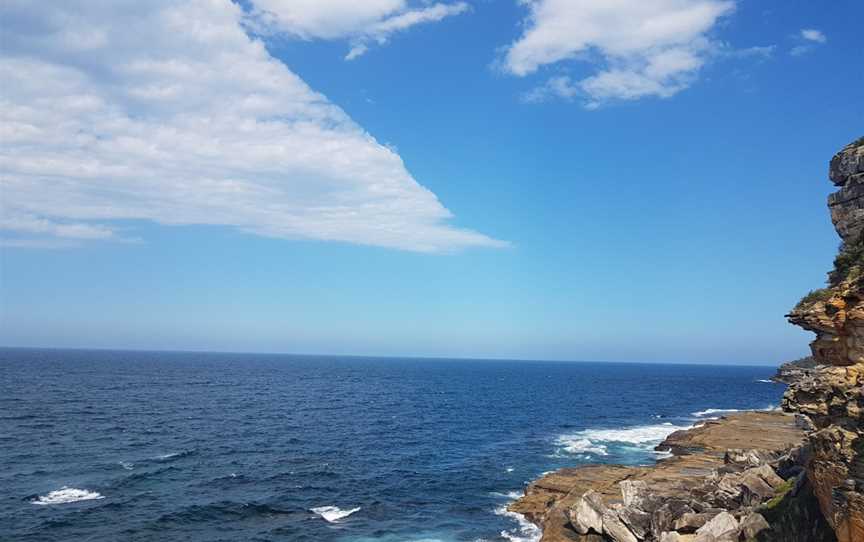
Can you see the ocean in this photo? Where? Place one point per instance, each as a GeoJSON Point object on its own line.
{"type": "Point", "coordinates": [116, 445]}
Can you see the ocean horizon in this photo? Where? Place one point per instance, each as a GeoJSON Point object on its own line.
{"type": "Point", "coordinates": [157, 445]}
{"type": "Point", "coordinates": [772, 365]}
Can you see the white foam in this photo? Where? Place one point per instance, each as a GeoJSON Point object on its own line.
{"type": "Point", "coordinates": [711, 411]}
{"type": "Point", "coordinates": [127, 465]}
{"type": "Point", "coordinates": [715, 411]}
{"type": "Point", "coordinates": [576, 444]}
{"type": "Point", "coordinates": [525, 532]}
{"type": "Point", "coordinates": [333, 513]}
{"type": "Point", "coordinates": [66, 495]}
{"type": "Point", "coordinates": [597, 441]}
{"type": "Point", "coordinates": [512, 495]}
{"type": "Point", "coordinates": [765, 381]}
{"type": "Point", "coordinates": [509, 469]}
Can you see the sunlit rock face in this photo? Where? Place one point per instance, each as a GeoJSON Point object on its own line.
{"type": "Point", "coordinates": [832, 395]}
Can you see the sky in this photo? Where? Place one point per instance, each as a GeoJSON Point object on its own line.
{"type": "Point", "coordinates": [627, 180]}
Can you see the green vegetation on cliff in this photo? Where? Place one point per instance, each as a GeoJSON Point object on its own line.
{"type": "Point", "coordinates": [848, 263]}
{"type": "Point", "coordinates": [822, 294]}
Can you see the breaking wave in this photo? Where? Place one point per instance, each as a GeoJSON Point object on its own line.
{"type": "Point", "coordinates": [598, 441]}
{"type": "Point", "coordinates": [333, 513]}
{"type": "Point", "coordinates": [66, 495]}
{"type": "Point", "coordinates": [524, 532]}
{"type": "Point", "coordinates": [713, 411]}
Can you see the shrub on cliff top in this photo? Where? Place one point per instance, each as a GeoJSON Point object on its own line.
{"type": "Point", "coordinates": [823, 294]}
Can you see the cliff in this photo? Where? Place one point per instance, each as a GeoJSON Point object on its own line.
{"type": "Point", "coordinates": [831, 395]}
{"type": "Point", "coordinates": [793, 371]}
{"type": "Point", "coordinates": [792, 476]}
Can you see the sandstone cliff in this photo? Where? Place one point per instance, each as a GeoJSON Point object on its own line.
{"type": "Point", "coordinates": [796, 476]}
{"type": "Point", "coordinates": [831, 396]}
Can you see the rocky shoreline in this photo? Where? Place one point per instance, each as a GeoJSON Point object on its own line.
{"type": "Point", "coordinates": [791, 476]}
{"type": "Point", "coordinates": [739, 474]}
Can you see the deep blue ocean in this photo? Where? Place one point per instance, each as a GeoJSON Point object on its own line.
{"type": "Point", "coordinates": [104, 445]}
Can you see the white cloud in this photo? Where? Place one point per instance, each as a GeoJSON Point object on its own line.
{"type": "Point", "coordinates": [361, 22]}
{"type": "Point", "coordinates": [168, 112]}
{"type": "Point", "coordinates": [560, 86]}
{"type": "Point", "coordinates": [641, 47]}
{"type": "Point", "coordinates": [811, 34]}
{"type": "Point", "coordinates": [808, 38]}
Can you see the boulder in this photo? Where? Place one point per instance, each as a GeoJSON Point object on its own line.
{"type": "Point", "coordinates": [722, 528]}
{"type": "Point", "coordinates": [634, 493]}
{"type": "Point", "coordinates": [637, 520]}
{"type": "Point", "coordinates": [690, 522]}
{"type": "Point", "coordinates": [587, 515]}
{"type": "Point", "coordinates": [748, 458]}
{"type": "Point", "coordinates": [752, 525]}
{"type": "Point", "coordinates": [663, 519]}
{"type": "Point", "coordinates": [614, 527]}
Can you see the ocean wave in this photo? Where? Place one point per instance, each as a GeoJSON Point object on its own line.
{"type": "Point", "coordinates": [766, 381]}
{"type": "Point", "coordinates": [580, 445]}
{"type": "Point", "coordinates": [512, 495]}
{"type": "Point", "coordinates": [721, 411]}
{"type": "Point", "coordinates": [175, 455]}
{"type": "Point", "coordinates": [524, 532]}
{"type": "Point", "coordinates": [333, 514]}
{"type": "Point", "coordinates": [597, 441]}
{"type": "Point", "coordinates": [66, 495]}
{"type": "Point", "coordinates": [712, 411]}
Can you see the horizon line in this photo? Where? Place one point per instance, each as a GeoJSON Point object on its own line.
{"type": "Point", "coordinates": [388, 356]}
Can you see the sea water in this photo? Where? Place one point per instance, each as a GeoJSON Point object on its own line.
{"type": "Point", "coordinates": [111, 445]}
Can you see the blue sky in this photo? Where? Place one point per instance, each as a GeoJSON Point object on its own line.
{"type": "Point", "coordinates": [628, 181]}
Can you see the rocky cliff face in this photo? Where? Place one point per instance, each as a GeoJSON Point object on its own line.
{"type": "Point", "coordinates": [831, 396]}
{"type": "Point", "coordinates": [794, 371]}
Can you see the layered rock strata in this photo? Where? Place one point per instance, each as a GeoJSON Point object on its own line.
{"type": "Point", "coordinates": [831, 396]}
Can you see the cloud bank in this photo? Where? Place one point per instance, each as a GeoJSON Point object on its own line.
{"type": "Point", "coordinates": [169, 112]}
{"type": "Point", "coordinates": [637, 48]}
